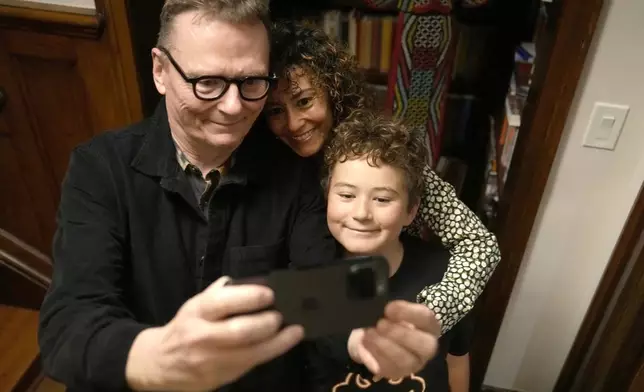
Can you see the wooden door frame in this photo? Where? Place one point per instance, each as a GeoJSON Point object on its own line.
{"type": "Point", "coordinates": [607, 352]}
{"type": "Point", "coordinates": [560, 61]}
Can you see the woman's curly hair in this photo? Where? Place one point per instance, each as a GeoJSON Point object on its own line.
{"type": "Point", "coordinates": [365, 134]}
{"type": "Point", "coordinates": [329, 64]}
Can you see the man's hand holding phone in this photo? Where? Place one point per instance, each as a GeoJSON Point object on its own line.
{"type": "Point", "coordinates": [215, 338]}
{"type": "Point", "coordinates": [401, 343]}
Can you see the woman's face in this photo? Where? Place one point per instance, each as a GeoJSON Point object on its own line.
{"type": "Point", "coordinates": [299, 114]}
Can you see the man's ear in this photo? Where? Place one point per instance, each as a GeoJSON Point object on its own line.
{"type": "Point", "coordinates": [412, 211]}
{"type": "Point", "coordinates": [158, 71]}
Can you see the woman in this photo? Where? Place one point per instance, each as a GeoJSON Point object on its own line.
{"type": "Point", "coordinates": [320, 85]}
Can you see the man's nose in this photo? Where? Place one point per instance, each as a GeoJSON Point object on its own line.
{"type": "Point", "coordinates": [230, 103]}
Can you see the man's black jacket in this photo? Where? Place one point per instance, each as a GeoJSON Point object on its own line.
{"type": "Point", "coordinates": [125, 255]}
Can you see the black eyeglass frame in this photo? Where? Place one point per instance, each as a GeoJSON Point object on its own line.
{"type": "Point", "coordinates": [271, 79]}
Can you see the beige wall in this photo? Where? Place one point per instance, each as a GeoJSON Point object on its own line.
{"type": "Point", "coordinates": [587, 200]}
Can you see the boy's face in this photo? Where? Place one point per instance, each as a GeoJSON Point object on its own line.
{"type": "Point", "coordinates": [367, 206]}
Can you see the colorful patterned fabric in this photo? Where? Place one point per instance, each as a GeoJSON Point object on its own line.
{"type": "Point", "coordinates": [418, 84]}
{"type": "Point", "coordinates": [420, 75]}
{"type": "Point", "coordinates": [421, 66]}
{"type": "Point", "coordinates": [416, 6]}
{"type": "Point", "coordinates": [422, 61]}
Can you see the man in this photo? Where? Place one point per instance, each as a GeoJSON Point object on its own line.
{"type": "Point", "coordinates": [152, 215]}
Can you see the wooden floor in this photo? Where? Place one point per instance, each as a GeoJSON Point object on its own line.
{"type": "Point", "coordinates": [49, 385]}
{"type": "Point", "coordinates": [19, 348]}
{"type": "Point", "coordinates": [18, 344]}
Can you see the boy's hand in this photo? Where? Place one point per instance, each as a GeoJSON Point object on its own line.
{"type": "Point", "coordinates": [402, 343]}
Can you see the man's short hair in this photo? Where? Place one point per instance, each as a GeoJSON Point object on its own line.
{"type": "Point", "coordinates": [380, 140]}
{"type": "Point", "coordinates": [233, 11]}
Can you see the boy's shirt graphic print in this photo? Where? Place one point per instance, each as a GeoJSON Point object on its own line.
{"type": "Point", "coordinates": [355, 382]}
{"type": "Point", "coordinates": [422, 263]}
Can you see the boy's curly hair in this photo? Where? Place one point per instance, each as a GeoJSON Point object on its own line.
{"type": "Point", "coordinates": [382, 141]}
{"type": "Point", "coordinates": [328, 63]}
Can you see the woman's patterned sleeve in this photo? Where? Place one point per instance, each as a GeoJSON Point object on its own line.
{"type": "Point", "coordinates": [474, 250]}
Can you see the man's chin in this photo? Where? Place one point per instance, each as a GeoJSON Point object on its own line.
{"type": "Point", "coordinates": [226, 139]}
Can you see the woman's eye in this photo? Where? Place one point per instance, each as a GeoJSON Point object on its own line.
{"type": "Point", "coordinates": [345, 195]}
{"type": "Point", "coordinates": [304, 102]}
{"type": "Point", "coordinates": [275, 110]}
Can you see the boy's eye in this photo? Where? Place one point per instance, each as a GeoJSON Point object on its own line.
{"type": "Point", "coordinates": [382, 200]}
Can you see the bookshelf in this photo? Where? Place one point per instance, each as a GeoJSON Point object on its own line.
{"type": "Point", "coordinates": [357, 4]}
{"type": "Point", "coordinates": [506, 121]}
{"type": "Point", "coordinates": [367, 32]}
{"type": "Point", "coordinates": [484, 68]}
{"type": "Point", "coordinates": [375, 76]}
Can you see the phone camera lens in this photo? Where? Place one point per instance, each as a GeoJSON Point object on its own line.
{"type": "Point", "coordinates": [361, 283]}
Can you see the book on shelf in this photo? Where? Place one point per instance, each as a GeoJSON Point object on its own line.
{"type": "Point", "coordinates": [491, 187]}
{"type": "Point", "coordinates": [525, 55]}
{"type": "Point", "coordinates": [379, 94]}
{"type": "Point", "coordinates": [515, 100]}
{"type": "Point", "coordinates": [368, 37]}
{"type": "Point", "coordinates": [509, 132]}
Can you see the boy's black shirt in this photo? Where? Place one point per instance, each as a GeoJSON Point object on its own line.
{"type": "Point", "coordinates": [329, 365]}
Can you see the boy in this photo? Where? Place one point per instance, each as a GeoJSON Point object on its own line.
{"type": "Point", "coordinates": [373, 182]}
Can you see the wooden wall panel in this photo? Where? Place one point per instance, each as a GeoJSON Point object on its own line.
{"type": "Point", "coordinates": [15, 213]}
{"type": "Point", "coordinates": [67, 78]}
{"type": "Point", "coordinates": [57, 107]}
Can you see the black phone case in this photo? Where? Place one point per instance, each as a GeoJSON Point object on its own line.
{"type": "Point", "coordinates": [331, 299]}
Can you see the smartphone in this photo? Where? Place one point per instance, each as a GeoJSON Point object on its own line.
{"type": "Point", "coordinates": [330, 299]}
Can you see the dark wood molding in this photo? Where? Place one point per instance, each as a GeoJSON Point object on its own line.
{"type": "Point", "coordinates": [616, 295]}
{"type": "Point", "coordinates": [560, 60]}
{"type": "Point", "coordinates": [53, 22]}
{"type": "Point", "coordinates": [25, 259]}
{"type": "Point", "coordinates": [638, 381]}
{"type": "Point", "coordinates": [25, 273]}
{"type": "Point", "coordinates": [31, 378]}
{"type": "Point", "coordinates": [119, 28]}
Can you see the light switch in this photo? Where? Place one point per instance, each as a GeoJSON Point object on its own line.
{"type": "Point", "coordinates": [605, 126]}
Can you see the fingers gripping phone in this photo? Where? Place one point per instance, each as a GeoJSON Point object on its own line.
{"type": "Point", "coordinates": [335, 298]}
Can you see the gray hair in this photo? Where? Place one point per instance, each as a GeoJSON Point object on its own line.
{"type": "Point", "coordinates": [233, 11]}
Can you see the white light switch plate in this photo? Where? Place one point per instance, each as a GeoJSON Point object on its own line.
{"type": "Point", "coordinates": [605, 125]}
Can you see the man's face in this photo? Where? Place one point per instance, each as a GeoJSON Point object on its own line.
{"type": "Point", "coordinates": [202, 46]}
{"type": "Point", "coordinates": [367, 206]}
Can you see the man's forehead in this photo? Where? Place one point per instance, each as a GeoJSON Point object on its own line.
{"type": "Point", "coordinates": [212, 46]}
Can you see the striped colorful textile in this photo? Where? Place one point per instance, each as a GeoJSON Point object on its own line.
{"type": "Point", "coordinates": [421, 66]}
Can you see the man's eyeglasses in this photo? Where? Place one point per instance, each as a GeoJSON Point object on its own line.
{"type": "Point", "coordinates": [210, 87]}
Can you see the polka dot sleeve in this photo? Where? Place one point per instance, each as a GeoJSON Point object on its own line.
{"type": "Point", "coordinates": [474, 250]}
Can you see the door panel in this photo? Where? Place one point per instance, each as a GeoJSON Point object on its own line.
{"type": "Point", "coordinates": [16, 214]}
{"type": "Point", "coordinates": [62, 89]}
